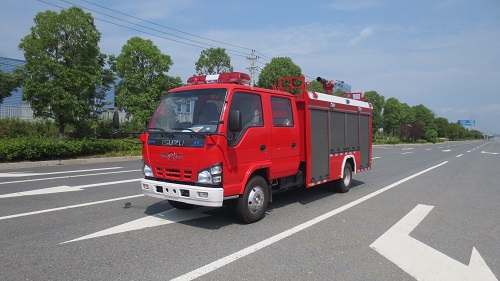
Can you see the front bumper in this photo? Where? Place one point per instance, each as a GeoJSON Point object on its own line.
{"type": "Point", "coordinates": [195, 195]}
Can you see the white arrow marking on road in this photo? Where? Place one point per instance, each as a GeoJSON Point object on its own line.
{"type": "Point", "coordinates": [485, 152]}
{"type": "Point", "coordinates": [22, 174]}
{"type": "Point", "coordinates": [166, 217]}
{"type": "Point", "coordinates": [66, 177]}
{"type": "Point", "coordinates": [69, 207]}
{"type": "Point", "coordinates": [60, 189]}
{"type": "Point", "coordinates": [424, 262]}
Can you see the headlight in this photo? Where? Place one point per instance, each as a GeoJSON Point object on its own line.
{"type": "Point", "coordinates": [211, 175]}
{"type": "Point", "coordinates": [146, 170]}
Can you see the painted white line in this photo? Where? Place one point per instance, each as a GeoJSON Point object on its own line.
{"type": "Point", "coordinates": [409, 152]}
{"type": "Point", "coordinates": [428, 149]}
{"type": "Point", "coordinates": [68, 207]}
{"type": "Point", "coordinates": [407, 148]}
{"type": "Point", "coordinates": [60, 189]}
{"type": "Point", "coordinates": [22, 174]}
{"type": "Point", "coordinates": [163, 218]}
{"type": "Point", "coordinates": [280, 236]}
{"type": "Point", "coordinates": [460, 155]}
{"type": "Point", "coordinates": [446, 150]}
{"type": "Point", "coordinates": [485, 152]}
{"type": "Point", "coordinates": [422, 261]}
{"type": "Point", "coordinates": [468, 151]}
{"type": "Point", "coordinates": [65, 177]}
{"type": "Point", "coordinates": [376, 158]}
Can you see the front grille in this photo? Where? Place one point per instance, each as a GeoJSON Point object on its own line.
{"type": "Point", "coordinates": [174, 174]}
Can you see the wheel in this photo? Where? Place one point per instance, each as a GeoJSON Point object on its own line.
{"type": "Point", "coordinates": [251, 206]}
{"type": "Point", "coordinates": [344, 184]}
{"type": "Point", "coordinates": [180, 205]}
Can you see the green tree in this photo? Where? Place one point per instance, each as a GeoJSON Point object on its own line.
{"type": "Point", "coordinates": [377, 102]}
{"type": "Point", "coordinates": [441, 126]}
{"type": "Point", "coordinates": [393, 114]}
{"type": "Point", "coordinates": [64, 73]}
{"type": "Point", "coordinates": [315, 86]}
{"type": "Point", "coordinates": [144, 80]}
{"type": "Point", "coordinates": [8, 83]}
{"type": "Point", "coordinates": [426, 118]}
{"type": "Point", "coordinates": [277, 68]}
{"type": "Point", "coordinates": [213, 61]}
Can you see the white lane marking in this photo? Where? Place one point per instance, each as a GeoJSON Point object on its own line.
{"type": "Point", "coordinates": [446, 150]}
{"type": "Point", "coordinates": [65, 177]}
{"type": "Point", "coordinates": [428, 149]}
{"type": "Point", "coordinates": [409, 152]}
{"type": "Point", "coordinates": [422, 261]}
{"type": "Point", "coordinates": [69, 207]}
{"type": "Point", "coordinates": [60, 189]}
{"type": "Point", "coordinates": [163, 218]}
{"type": "Point", "coordinates": [460, 155]}
{"type": "Point", "coordinates": [280, 236]}
{"type": "Point", "coordinates": [27, 174]}
{"type": "Point", "coordinates": [376, 158]}
{"type": "Point", "coordinates": [407, 148]}
{"type": "Point", "coordinates": [485, 152]}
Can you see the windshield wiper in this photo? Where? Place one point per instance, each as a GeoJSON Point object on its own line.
{"type": "Point", "coordinates": [161, 130]}
{"type": "Point", "coordinates": [191, 131]}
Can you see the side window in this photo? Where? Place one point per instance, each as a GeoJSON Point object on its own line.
{"type": "Point", "coordinates": [282, 112]}
{"type": "Point", "coordinates": [250, 106]}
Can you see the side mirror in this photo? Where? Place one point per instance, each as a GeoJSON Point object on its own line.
{"type": "Point", "coordinates": [116, 121]}
{"type": "Point", "coordinates": [235, 121]}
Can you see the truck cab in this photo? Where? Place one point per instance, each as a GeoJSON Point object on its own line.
{"type": "Point", "coordinates": [218, 140]}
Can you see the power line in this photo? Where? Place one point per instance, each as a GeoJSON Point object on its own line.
{"type": "Point", "coordinates": [194, 43]}
{"type": "Point", "coordinates": [146, 27]}
{"type": "Point", "coordinates": [180, 31]}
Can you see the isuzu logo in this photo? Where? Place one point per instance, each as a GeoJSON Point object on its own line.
{"type": "Point", "coordinates": [173, 142]}
{"type": "Point", "coordinates": [171, 156]}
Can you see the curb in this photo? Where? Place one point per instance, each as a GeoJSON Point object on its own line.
{"type": "Point", "coordinates": [20, 165]}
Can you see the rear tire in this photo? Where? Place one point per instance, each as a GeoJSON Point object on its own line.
{"type": "Point", "coordinates": [251, 206]}
{"type": "Point", "coordinates": [180, 205]}
{"type": "Point", "coordinates": [344, 184]}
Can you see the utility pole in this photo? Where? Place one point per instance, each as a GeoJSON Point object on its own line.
{"type": "Point", "coordinates": [252, 67]}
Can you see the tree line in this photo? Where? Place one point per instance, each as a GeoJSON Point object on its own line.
{"type": "Point", "coordinates": [66, 78]}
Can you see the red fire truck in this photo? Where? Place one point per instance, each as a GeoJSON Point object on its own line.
{"type": "Point", "coordinates": [219, 141]}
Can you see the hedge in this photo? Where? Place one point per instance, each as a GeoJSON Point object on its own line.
{"type": "Point", "coordinates": [40, 148]}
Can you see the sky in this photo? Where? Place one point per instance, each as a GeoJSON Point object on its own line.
{"type": "Point", "coordinates": [444, 54]}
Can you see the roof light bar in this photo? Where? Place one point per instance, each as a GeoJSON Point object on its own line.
{"type": "Point", "coordinates": [231, 77]}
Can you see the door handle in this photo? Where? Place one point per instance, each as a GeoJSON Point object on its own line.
{"type": "Point", "coordinates": [263, 147]}
{"type": "Point", "coordinates": [294, 145]}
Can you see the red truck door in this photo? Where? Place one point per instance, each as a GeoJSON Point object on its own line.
{"type": "Point", "coordinates": [284, 138]}
{"type": "Point", "coordinates": [252, 145]}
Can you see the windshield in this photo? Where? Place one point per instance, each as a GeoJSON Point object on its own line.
{"type": "Point", "coordinates": [189, 111]}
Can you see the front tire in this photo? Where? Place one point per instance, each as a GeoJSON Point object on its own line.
{"type": "Point", "coordinates": [251, 206]}
{"type": "Point", "coordinates": [344, 184]}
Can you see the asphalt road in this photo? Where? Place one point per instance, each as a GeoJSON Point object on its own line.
{"type": "Point", "coordinates": [419, 214]}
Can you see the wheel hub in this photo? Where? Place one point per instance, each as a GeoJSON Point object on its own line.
{"type": "Point", "coordinates": [255, 199]}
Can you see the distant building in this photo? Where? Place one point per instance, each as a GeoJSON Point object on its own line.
{"type": "Point", "coordinates": [14, 106]}
{"type": "Point", "coordinates": [8, 65]}
{"type": "Point", "coordinates": [340, 85]}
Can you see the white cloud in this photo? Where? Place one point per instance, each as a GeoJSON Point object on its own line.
{"type": "Point", "coordinates": [365, 33]}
